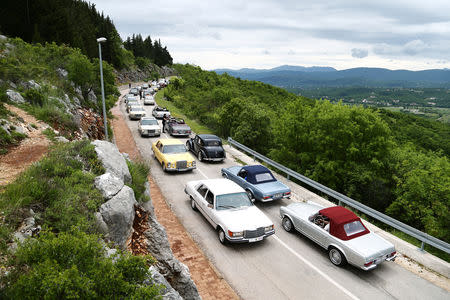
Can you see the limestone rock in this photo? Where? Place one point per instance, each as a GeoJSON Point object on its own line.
{"type": "Point", "coordinates": [92, 97]}
{"type": "Point", "coordinates": [15, 96]}
{"type": "Point", "coordinates": [62, 72]}
{"type": "Point", "coordinates": [112, 160]}
{"type": "Point", "coordinates": [109, 185]}
{"type": "Point", "coordinates": [168, 292]}
{"type": "Point", "coordinates": [61, 139]}
{"type": "Point", "coordinates": [118, 215]}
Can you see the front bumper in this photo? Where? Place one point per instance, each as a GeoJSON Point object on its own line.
{"type": "Point", "coordinates": [214, 158]}
{"type": "Point", "coordinates": [250, 240]}
{"type": "Point", "coordinates": [150, 133]}
{"type": "Point", "coordinates": [179, 170]}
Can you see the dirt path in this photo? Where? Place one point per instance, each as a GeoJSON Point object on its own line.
{"type": "Point", "coordinates": [28, 151]}
{"type": "Point", "coordinates": [209, 282]}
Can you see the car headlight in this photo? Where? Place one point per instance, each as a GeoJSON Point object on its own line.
{"type": "Point", "coordinates": [193, 163]}
{"type": "Point", "coordinates": [268, 228]}
{"type": "Point", "coordinates": [169, 165]}
{"type": "Point", "coordinates": [235, 234]}
{"type": "Point", "coordinates": [158, 130]}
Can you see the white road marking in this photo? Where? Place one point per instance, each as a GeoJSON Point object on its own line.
{"type": "Point", "coordinates": [202, 173]}
{"type": "Point", "coordinates": [347, 292]}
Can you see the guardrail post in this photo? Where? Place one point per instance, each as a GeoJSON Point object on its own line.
{"type": "Point", "coordinates": [422, 247]}
{"type": "Point", "coordinates": [288, 177]}
{"type": "Point", "coordinates": [340, 203]}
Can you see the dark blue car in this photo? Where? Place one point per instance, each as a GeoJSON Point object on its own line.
{"type": "Point", "coordinates": [258, 182]}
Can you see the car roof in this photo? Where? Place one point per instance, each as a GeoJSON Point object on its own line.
{"type": "Point", "coordinates": [339, 214]}
{"type": "Point", "coordinates": [208, 137]}
{"type": "Point", "coordinates": [170, 142]}
{"type": "Point", "coordinates": [222, 186]}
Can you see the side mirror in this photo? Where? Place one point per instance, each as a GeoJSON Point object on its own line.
{"type": "Point", "coordinates": [210, 205]}
{"type": "Point", "coordinates": [253, 200]}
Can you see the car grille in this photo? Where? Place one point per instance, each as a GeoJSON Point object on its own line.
{"type": "Point", "coordinates": [254, 233]}
{"type": "Point", "coordinates": [151, 131]}
{"type": "Point", "coordinates": [182, 164]}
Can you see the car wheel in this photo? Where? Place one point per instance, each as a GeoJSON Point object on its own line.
{"type": "Point", "coordinates": [200, 156]}
{"type": "Point", "coordinates": [222, 238]}
{"type": "Point", "coordinates": [287, 224]}
{"type": "Point", "coordinates": [193, 205]}
{"type": "Point", "coordinates": [249, 194]}
{"type": "Point", "coordinates": [336, 257]}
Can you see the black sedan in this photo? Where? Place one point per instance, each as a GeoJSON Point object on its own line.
{"type": "Point", "coordinates": [206, 147]}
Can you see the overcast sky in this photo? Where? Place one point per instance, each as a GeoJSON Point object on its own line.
{"type": "Point", "coordinates": [393, 34]}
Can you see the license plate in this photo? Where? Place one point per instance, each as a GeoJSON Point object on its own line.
{"type": "Point", "coordinates": [255, 239]}
{"type": "Point", "coordinates": [277, 196]}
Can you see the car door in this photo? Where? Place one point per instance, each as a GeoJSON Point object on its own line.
{"type": "Point", "coordinates": [204, 203]}
{"type": "Point", "coordinates": [196, 143]}
{"type": "Point", "coordinates": [158, 151]}
{"type": "Point", "coordinates": [242, 179]}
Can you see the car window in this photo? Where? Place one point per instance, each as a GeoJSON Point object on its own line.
{"type": "Point", "coordinates": [149, 122]}
{"type": "Point", "coordinates": [159, 146]}
{"type": "Point", "coordinates": [210, 197]}
{"type": "Point", "coordinates": [234, 200]}
{"type": "Point", "coordinates": [263, 177]}
{"type": "Point", "coordinates": [202, 190]}
{"type": "Point", "coordinates": [353, 228]}
{"type": "Point", "coordinates": [213, 143]}
{"type": "Point", "coordinates": [242, 173]}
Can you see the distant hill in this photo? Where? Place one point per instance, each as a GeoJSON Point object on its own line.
{"type": "Point", "coordinates": [314, 77]}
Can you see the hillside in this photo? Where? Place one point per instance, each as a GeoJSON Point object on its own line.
{"type": "Point", "coordinates": [394, 163]}
{"type": "Point", "coordinates": [316, 77]}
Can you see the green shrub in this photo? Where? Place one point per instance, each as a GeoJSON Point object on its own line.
{"type": "Point", "coordinates": [59, 187]}
{"type": "Point", "coordinates": [142, 62]}
{"type": "Point", "coordinates": [35, 97]}
{"type": "Point", "coordinates": [7, 140]}
{"type": "Point", "coordinates": [139, 172]}
{"type": "Point", "coordinates": [73, 265]}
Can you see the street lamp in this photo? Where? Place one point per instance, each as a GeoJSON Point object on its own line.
{"type": "Point", "coordinates": [100, 41]}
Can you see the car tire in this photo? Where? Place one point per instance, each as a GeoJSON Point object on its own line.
{"type": "Point", "coordinates": [222, 237]}
{"type": "Point", "coordinates": [287, 224]}
{"type": "Point", "coordinates": [200, 156]}
{"type": "Point", "coordinates": [336, 257]}
{"type": "Point", "coordinates": [250, 194]}
{"type": "Point", "coordinates": [193, 205]}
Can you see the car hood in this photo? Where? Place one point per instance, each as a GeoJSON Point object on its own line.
{"type": "Point", "coordinates": [249, 218]}
{"type": "Point", "coordinates": [179, 156]}
{"type": "Point", "coordinates": [150, 127]}
{"type": "Point", "coordinates": [272, 187]}
{"type": "Point", "coordinates": [370, 245]}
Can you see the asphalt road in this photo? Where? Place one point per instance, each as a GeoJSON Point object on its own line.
{"type": "Point", "coordinates": [285, 265]}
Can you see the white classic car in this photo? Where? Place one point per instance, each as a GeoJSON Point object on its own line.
{"type": "Point", "coordinates": [340, 231]}
{"type": "Point", "coordinates": [229, 210]}
{"type": "Point", "coordinates": [135, 112]}
{"type": "Point", "coordinates": [148, 126]}
{"type": "Point", "coordinates": [149, 100]}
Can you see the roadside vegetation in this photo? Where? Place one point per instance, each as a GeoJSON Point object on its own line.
{"type": "Point", "coordinates": [60, 192]}
{"type": "Point", "coordinates": [398, 165]}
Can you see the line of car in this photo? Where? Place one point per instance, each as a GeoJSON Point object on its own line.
{"type": "Point", "coordinates": [228, 203]}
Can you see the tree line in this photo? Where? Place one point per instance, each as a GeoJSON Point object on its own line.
{"type": "Point", "coordinates": [71, 22]}
{"type": "Point", "coordinates": [385, 160]}
{"type": "Point", "coordinates": [145, 48]}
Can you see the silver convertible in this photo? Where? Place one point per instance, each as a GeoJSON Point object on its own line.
{"type": "Point", "coordinates": [341, 232]}
{"type": "Point", "coordinates": [229, 210]}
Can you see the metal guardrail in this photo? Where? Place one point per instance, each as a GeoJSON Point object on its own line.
{"type": "Point", "coordinates": [421, 236]}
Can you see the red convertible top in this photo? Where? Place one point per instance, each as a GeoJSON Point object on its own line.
{"type": "Point", "coordinates": [339, 216]}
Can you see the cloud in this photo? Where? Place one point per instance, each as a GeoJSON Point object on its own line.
{"type": "Point", "coordinates": [410, 48]}
{"type": "Point", "coordinates": [360, 53]}
{"type": "Point", "coordinates": [291, 52]}
{"type": "Point", "coordinates": [266, 52]}
{"type": "Point", "coordinates": [414, 47]}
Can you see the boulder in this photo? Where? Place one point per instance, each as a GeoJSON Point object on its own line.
{"type": "Point", "coordinates": [31, 84]}
{"type": "Point", "coordinates": [112, 160]}
{"type": "Point", "coordinates": [109, 185]}
{"type": "Point", "coordinates": [168, 292]}
{"type": "Point", "coordinates": [61, 139]}
{"type": "Point", "coordinates": [92, 97]}
{"type": "Point", "coordinates": [62, 72]}
{"type": "Point", "coordinates": [15, 96]}
{"type": "Point", "coordinates": [118, 215]}
{"type": "Point", "coordinates": [3, 38]}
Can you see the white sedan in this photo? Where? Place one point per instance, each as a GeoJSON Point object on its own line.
{"type": "Point", "coordinates": [149, 100]}
{"type": "Point", "coordinates": [229, 210]}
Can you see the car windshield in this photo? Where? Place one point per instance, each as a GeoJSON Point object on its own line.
{"type": "Point", "coordinates": [169, 149]}
{"type": "Point", "coordinates": [149, 122]}
{"type": "Point", "coordinates": [353, 228]}
{"type": "Point", "coordinates": [135, 108]}
{"type": "Point", "coordinates": [235, 200]}
{"type": "Point", "coordinates": [212, 143]}
{"type": "Point", "coordinates": [263, 177]}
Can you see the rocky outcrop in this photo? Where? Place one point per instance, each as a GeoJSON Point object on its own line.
{"type": "Point", "coordinates": [14, 96]}
{"type": "Point", "coordinates": [134, 75]}
{"type": "Point", "coordinates": [109, 185]}
{"type": "Point", "coordinates": [117, 215]}
{"type": "Point", "coordinates": [168, 293]}
{"type": "Point", "coordinates": [112, 160]}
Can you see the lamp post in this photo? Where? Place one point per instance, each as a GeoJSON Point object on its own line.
{"type": "Point", "coordinates": [100, 41]}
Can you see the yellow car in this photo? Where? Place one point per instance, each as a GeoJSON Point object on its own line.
{"type": "Point", "coordinates": [173, 155]}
